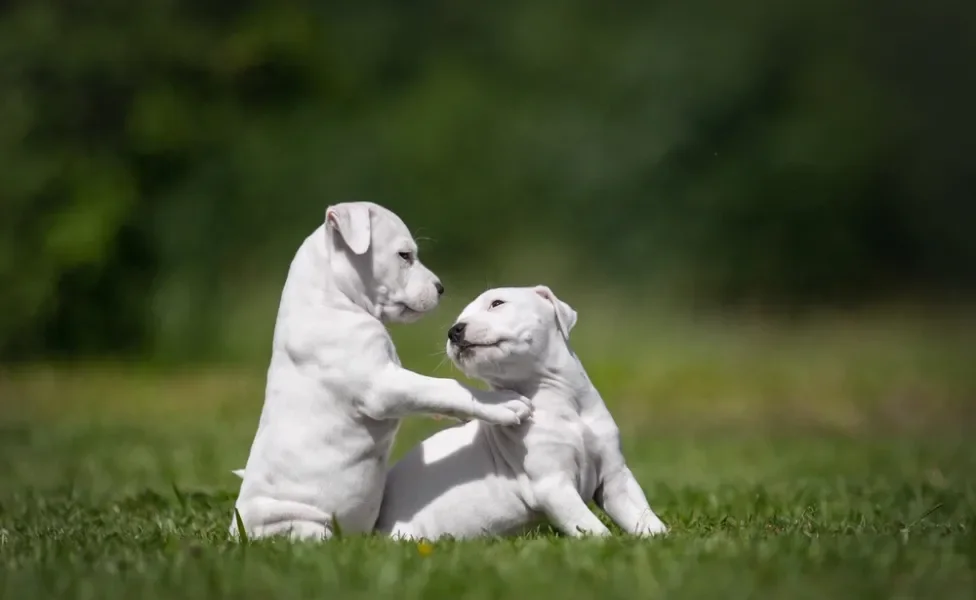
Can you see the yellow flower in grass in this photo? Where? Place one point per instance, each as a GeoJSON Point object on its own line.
{"type": "Point", "coordinates": [425, 548]}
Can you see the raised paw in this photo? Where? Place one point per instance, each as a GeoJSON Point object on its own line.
{"type": "Point", "coordinates": [507, 413]}
{"type": "Point", "coordinates": [521, 409]}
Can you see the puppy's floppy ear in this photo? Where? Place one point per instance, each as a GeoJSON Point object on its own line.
{"type": "Point", "coordinates": [351, 220]}
{"type": "Point", "coordinates": [565, 315]}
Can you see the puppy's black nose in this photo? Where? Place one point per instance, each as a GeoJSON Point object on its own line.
{"type": "Point", "coordinates": [439, 288]}
{"type": "Point", "coordinates": [455, 333]}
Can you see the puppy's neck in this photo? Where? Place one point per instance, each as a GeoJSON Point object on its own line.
{"type": "Point", "coordinates": [562, 383]}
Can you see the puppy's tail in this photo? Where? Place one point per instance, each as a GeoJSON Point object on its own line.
{"type": "Point", "coordinates": [238, 472]}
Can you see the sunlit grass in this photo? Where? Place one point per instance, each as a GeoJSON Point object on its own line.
{"type": "Point", "coordinates": [810, 459]}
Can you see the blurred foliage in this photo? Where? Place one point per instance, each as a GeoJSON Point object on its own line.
{"type": "Point", "coordinates": [159, 157]}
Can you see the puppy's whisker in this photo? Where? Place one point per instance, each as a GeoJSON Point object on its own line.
{"type": "Point", "coordinates": [417, 236]}
{"type": "Point", "coordinates": [441, 363]}
{"type": "Point", "coordinates": [455, 369]}
{"type": "Point", "coordinates": [441, 354]}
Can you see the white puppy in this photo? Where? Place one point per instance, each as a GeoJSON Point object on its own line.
{"type": "Point", "coordinates": [335, 390]}
{"type": "Point", "coordinates": [477, 479]}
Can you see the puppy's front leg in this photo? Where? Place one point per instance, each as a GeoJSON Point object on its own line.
{"type": "Point", "coordinates": [397, 392]}
{"type": "Point", "coordinates": [623, 500]}
{"type": "Point", "coordinates": [560, 501]}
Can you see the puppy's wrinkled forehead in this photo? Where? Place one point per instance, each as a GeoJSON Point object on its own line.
{"type": "Point", "coordinates": [389, 228]}
{"type": "Point", "coordinates": [491, 297]}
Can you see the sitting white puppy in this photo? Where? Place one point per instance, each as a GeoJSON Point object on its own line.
{"type": "Point", "coordinates": [335, 390]}
{"type": "Point", "coordinates": [477, 479]}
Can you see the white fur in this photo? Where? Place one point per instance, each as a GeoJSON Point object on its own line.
{"type": "Point", "coordinates": [477, 479]}
{"type": "Point", "coordinates": [336, 391]}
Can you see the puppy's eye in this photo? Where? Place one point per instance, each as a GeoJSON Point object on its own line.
{"type": "Point", "coordinates": [407, 256]}
{"type": "Point", "coordinates": [496, 303]}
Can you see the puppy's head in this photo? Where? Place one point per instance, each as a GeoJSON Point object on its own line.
{"type": "Point", "coordinates": [508, 336]}
{"type": "Point", "coordinates": [374, 256]}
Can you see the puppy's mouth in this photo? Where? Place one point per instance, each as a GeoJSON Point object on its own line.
{"type": "Point", "coordinates": [464, 348]}
{"type": "Point", "coordinates": [409, 313]}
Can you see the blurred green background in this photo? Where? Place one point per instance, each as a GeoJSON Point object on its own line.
{"type": "Point", "coordinates": [161, 160]}
{"type": "Point", "coordinates": [762, 211]}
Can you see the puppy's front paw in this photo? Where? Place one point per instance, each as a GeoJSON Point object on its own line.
{"type": "Point", "coordinates": [651, 527]}
{"type": "Point", "coordinates": [508, 413]}
{"type": "Point", "coordinates": [521, 408]}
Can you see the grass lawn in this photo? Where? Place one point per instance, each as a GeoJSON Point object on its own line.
{"type": "Point", "coordinates": [824, 460]}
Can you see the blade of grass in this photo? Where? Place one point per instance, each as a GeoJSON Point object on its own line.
{"type": "Point", "coordinates": [241, 532]}
{"type": "Point", "coordinates": [179, 496]}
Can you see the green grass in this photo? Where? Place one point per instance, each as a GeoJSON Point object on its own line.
{"type": "Point", "coordinates": [829, 458]}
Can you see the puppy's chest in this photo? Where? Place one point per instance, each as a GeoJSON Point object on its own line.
{"type": "Point", "coordinates": [565, 442]}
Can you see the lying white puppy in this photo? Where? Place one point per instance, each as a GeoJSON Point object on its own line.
{"type": "Point", "coordinates": [477, 479]}
{"type": "Point", "coordinates": [336, 391]}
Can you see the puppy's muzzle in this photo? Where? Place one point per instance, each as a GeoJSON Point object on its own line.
{"type": "Point", "coordinates": [455, 335]}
